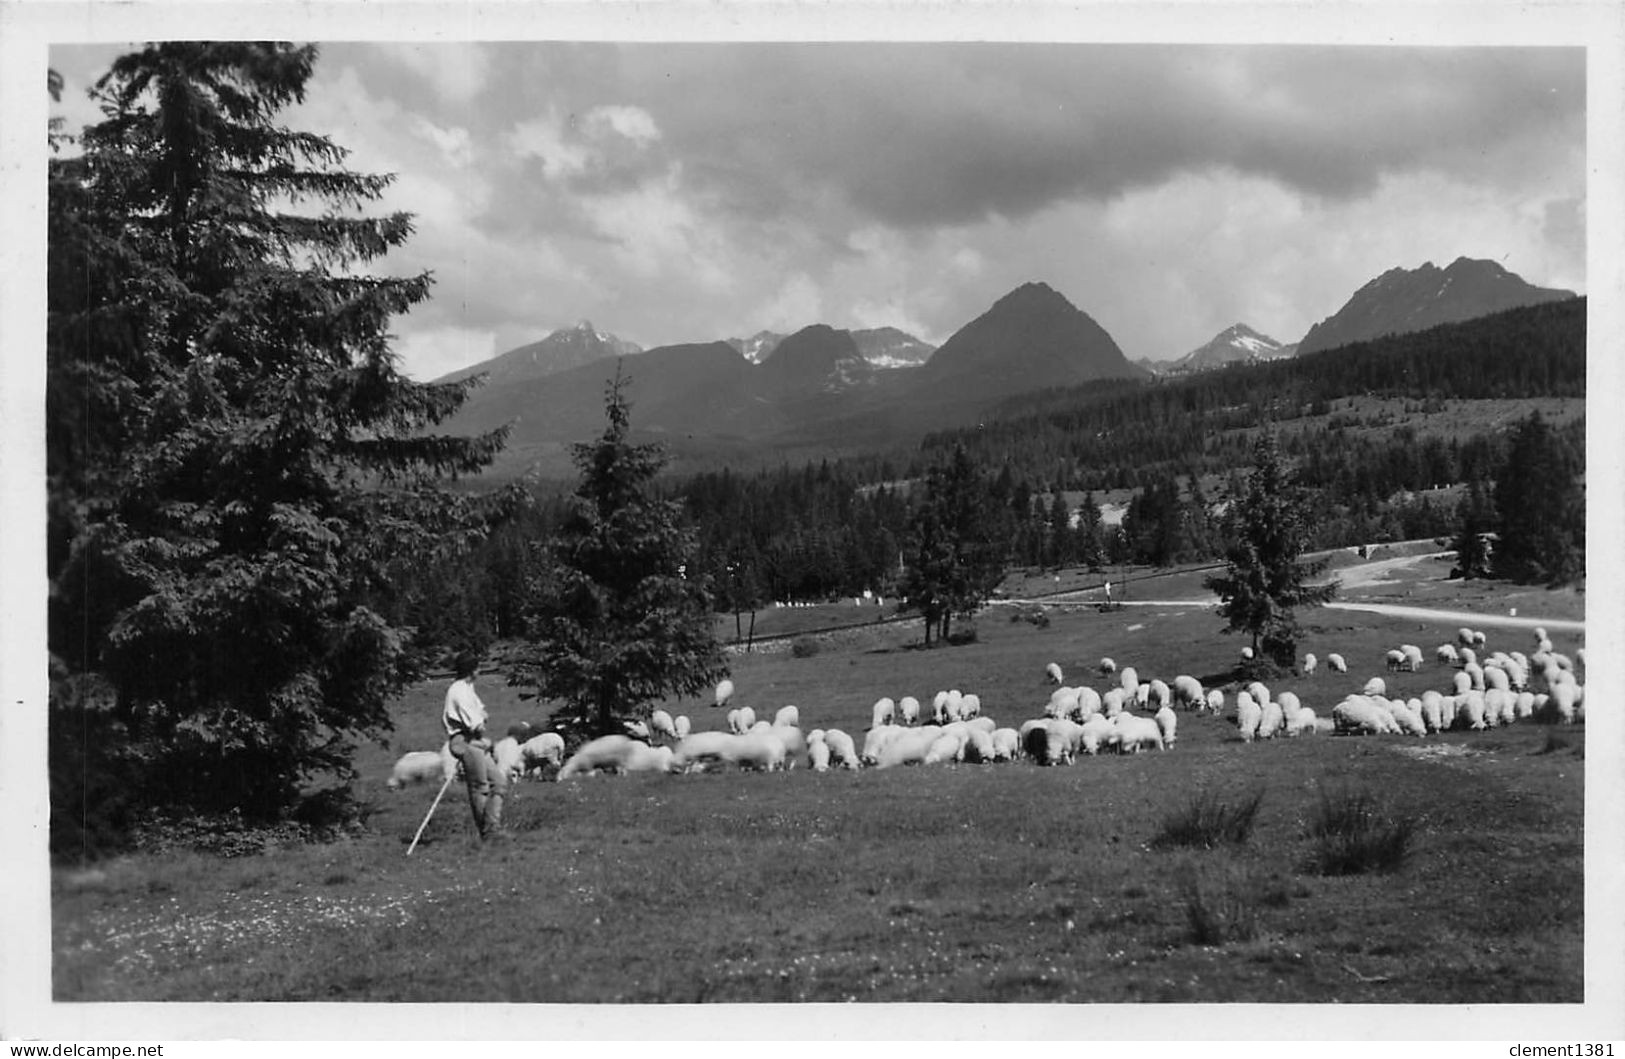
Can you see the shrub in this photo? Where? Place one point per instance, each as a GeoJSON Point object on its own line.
{"type": "Point", "coordinates": [1205, 821]}
{"type": "Point", "coordinates": [1218, 915]}
{"type": "Point", "coordinates": [803, 647]}
{"type": "Point", "coordinates": [963, 634]}
{"type": "Point", "coordinates": [1353, 834]}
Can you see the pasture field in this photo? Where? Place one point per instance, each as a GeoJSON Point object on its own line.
{"type": "Point", "coordinates": [943, 883]}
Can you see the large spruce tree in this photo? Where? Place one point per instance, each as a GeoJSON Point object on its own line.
{"type": "Point", "coordinates": [1540, 504]}
{"type": "Point", "coordinates": [1265, 581]}
{"type": "Point", "coordinates": [953, 561]}
{"type": "Point", "coordinates": [620, 615]}
{"type": "Point", "coordinates": [233, 456]}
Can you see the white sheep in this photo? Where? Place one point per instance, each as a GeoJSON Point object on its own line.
{"type": "Point", "coordinates": [1413, 657]}
{"type": "Point", "coordinates": [908, 747]}
{"type": "Point", "coordinates": [617, 753]}
{"type": "Point", "coordinates": [841, 749]}
{"type": "Point", "coordinates": [1168, 724]}
{"type": "Point", "coordinates": [1396, 660]}
{"type": "Point", "coordinates": [787, 716]}
{"type": "Point", "coordinates": [1135, 732]}
{"type": "Point", "coordinates": [795, 744]}
{"type": "Point", "coordinates": [1053, 672]}
{"type": "Point", "coordinates": [1525, 705]}
{"type": "Point", "coordinates": [1337, 663]}
{"type": "Point", "coordinates": [1246, 654]}
{"type": "Point", "coordinates": [1446, 654]}
{"type": "Point", "coordinates": [758, 751]}
{"type": "Point", "coordinates": [544, 749]}
{"type": "Point", "coordinates": [1215, 701]}
{"type": "Point", "coordinates": [1271, 719]}
{"type": "Point", "coordinates": [1129, 680]}
{"type": "Point", "coordinates": [970, 707]}
{"type": "Point", "coordinates": [417, 766]}
{"type": "Point", "coordinates": [1358, 714]}
{"type": "Point", "coordinates": [1159, 695]}
{"type": "Point", "coordinates": [1062, 702]}
{"type": "Point", "coordinates": [681, 725]}
{"type": "Point", "coordinates": [1111, 703]}
{"type": "Point", "coordinates": [1540, 636]}
{"type": "Point", "coordinates": [1375, 686]}
{"type": "Point", "coordinates": [1309, 664]}
{"type": "Point", "coordinates": [725, 691]}
{"type": "Point", "coordinates": [736, 721]}
{"type": "Point", "coordinates": [1470, 707]}
{"type": "Point", "coordinates": [1088, 705]}
{"type": "Point", "coordinates": [883, 712]}
{"type": "Point", "coordinates": [1496, 678]}
{"type": "Point", "coordinates": [875, 741]}
{"type": "Point", "coordinates": [949, 746]}
{"type": "Point", "coordinates": [1301, 721]}
{"type": "Point", "coordinates": [817, 752]}
{"type": "Point", "coordinates": [1188, 691]}
{"type": "Point", "coordinates": [1259, 692]}
{"type": "Point", "coordinates": [1461, 683]}
{"type": "Point", "coordinates": [1475, 673]}
{"type": "Point", "coordinates": [1410, 721]}
{"type": "Point", "coordinates": [909, 707]}
{"type": "Point", "coordinates": [1006, 743]}
{"type": "Point", "coordinates": [1142, 695]}
{"type": "Point", "coordinates": [1433, 710]}
{"type": "Point", "coordinates": [638, 730]}
{"type": "Point", "coordinates": [981, 724]}
{"type": "Point", "coordinates": [939, 708]}
{"type": "Point", "coordinates": [1500, 706]}
{"type": "Point", "coordinates": [1464, 636]}
{"type": "Point", "coordinates": [1467, 657]}
{"type": "Point", "coordinates": [508, 758]}
{"type": "Point", "coordinates": [953, 704]}
{"type": "Point", "coordinates": [1107, 667]}
{"type": "Point", "coordinates": [1248, 716]}
{"type": "Point", "coordinates": [1096, 731]}
{"type": "Point", "coordinates": [660, 721]}
{"type": "Point", "coordinates": [1479, 638]}
{"type": "Point", "coordinates": [701, 748]}
{"type": "Point", "coordinates": [1562, 697]}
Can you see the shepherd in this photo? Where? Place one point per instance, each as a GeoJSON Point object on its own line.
{"type": "Point", "coordinates": [464, 717]}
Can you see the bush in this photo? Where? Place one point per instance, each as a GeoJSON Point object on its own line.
{"type": "Point", "coordinates": [1204, 821]}
{"type": "Point", "coordinates": [804, 647]}
{"type": "Point", "coordinates": [1354, 835]}
{"type": "Point", "coordinates": [963, 634]}
{"type": "Point", "coordinates": [1219, 915]}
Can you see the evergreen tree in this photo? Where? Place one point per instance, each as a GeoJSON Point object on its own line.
{"type": "Point", "coordinates": [233, 458]}
{"type": "Point", "coordinates": [954, 562]}
{"type": "Point", "coordinates": [1477, 517]}
{"type": "Point", "coordinates": [620, 615]}
{"type": "Point", "coordinates": [1540, 500]}
{"type": "Point", "coordinates": [1061, 550]}
{"type": "Point", "coordinates": [1264, 581]}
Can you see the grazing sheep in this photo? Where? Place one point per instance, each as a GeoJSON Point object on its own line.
{"type": "Point", "coordinates": [1409, 720]}
{"type": "Point", "coordinates": [417, 766]}
{"type": "Point", "coordinates": [1248, 716]}
{"type": "Point", "coordinates": [841, 749]}
{"type": "Point", "coordinates": [1188, 692]}
{"type": "Point", "coordinates": [939, 708]}
{"type": "Point", "coordinates": [1540, 635]}
{"type": "Point", "coordinates": [1053, 672]}
{"type": "Point", "coordinates": [908, 747]}
{"type": "Point", "coordinates": [952, 706]}
{"type": "Point", "coordinates": [1062, 702]}
{"type": "Point", "coordinates": [1096, 731]}
{"type": "Point", "coordinates": [817, 753]}
{"type": "Point", "coordinates": [1413, 657]}
{"type": "Point", "coordinates": [617, 753]}
{"type": "Point", "coordinates": [1111, 703]}
{"type": "Point", "coordinates": [1271, 719]}
{"type": "Point", "coordinates": [1464, 636]}
{"type": "Point", "coordinates": [1089, 704]}
{"type": "Point", "coordinates": [1107, 667]}
{"type": "Point", "coordinates": [1142, 695]}
{"type": "Point", "coordinates": [883, 712]}
{"type": "Point", "coordinates": [1470, 708]}
{"type": "Point", "coordinates": [1246, 654]}
{"type": "Point", "coordinates": [1396, 660]}
{"type": "Point", "coordinates": [638, 730]}
{"type": "Point", "coordinates": [1337, 663]}
{"type": "Point", "coordinates": [700, 749]}
{"type": "Point", "coordinates": [909, 707]}
{"type": "Point", "coordinates": [508, 758]}
{"type": "Point", "coordinates": [1289, 704]}
{"type": "Point", "coordinates": [1501, 704]}
{"type": "Point", "coordinates": [1168, 724]}
{"type": "Point", "coordinates": [787, 716]}
{"type": "Point", "coordinates": [1259, 692]}
{"type": "Point", "coordinates": [681, 725]}
{"type": "Point", "coordinates": [1159, 695]}
{"type": "Point", "coordinates": [1302, 721]}
{"type": "Point", "coordinates": [1215, 701]}
{"type": "Point", "coordinates": [1446, 654]}
{"type": "Point", "coordinates": [1135, 732]}
{"type": "Point", "coordinates": [795, 744]}
{"type": "Point", "coordinates": [660, 721]}
{"type": "Point", "coordinates": [736, 721]}
{"type": "Point", "coordinates": [949, 746]}
{"type": "Point", "coordinates": [970, 707]}
{"type": "Point", "coordinates": [1129, 681]}
{"type": "Point", "coordinates": [1467, 657]}
{"type": "Point", "coordinates": [1006, 744]}
{"type": "Point", "coordinates": [1309, 664]}
{"type": "Point", "coordinates": [875, 741]}
{"type": "Point", "coordinates": [1479, 639]}
{"type": "Point", "coordinates": [544, 749]}
{"type": "Point", "coordinates": [725, 691]}
{"type": "Point", "coordinates": [1525, 705]}
{"type": "Point", "coordinates": [1563, 697]}
{"type": "Point", "coordinates": [1375, 686]}
{"type": "Point", "coordinates": [758, 751]}
{"type": "Point", "coordinates": [1496, 678]}
{"type": "Point", "coordinates": [1433, 710]}
{"type": "Point", "coordinates": [1461, 682]}
{"type": "Point", "coordinates": [1475, 673]}
{"type": "Point", "coordinates": [1358, 715]}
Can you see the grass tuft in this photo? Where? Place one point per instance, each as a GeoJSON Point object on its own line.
{"type": "Point", "coordinates": [1205, 821]}
{"type": "Point", "coordinates": [1353, 835]}
{"type": "Point", "coordinates": [1218, 916]}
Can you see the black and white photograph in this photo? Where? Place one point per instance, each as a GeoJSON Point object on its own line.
{"type": "Point", "coordinates": [804, 522]}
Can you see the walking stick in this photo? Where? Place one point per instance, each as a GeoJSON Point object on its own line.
{"type": "Point", "coordinates": [430, 813]}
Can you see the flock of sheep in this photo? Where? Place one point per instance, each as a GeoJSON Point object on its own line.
{"type": "Point", "coordinates": [1130, 716]}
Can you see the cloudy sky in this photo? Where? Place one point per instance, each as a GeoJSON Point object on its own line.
{"type": "Point", "coordinates": [689, 192]}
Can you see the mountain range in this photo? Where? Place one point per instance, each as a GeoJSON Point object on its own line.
{"type": "Point", "coordinates": [829, 390]}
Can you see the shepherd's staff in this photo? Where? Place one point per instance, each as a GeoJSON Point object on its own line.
{"type": "Point", "coordinates": [449, 777]}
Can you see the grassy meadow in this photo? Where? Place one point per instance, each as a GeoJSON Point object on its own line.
{"type": "Point", "coordinates": [944, 883]}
